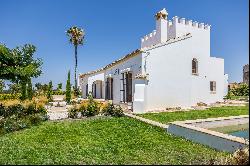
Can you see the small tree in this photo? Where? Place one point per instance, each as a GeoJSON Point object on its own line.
{"type": "Point", "coordinates": [49, 92]}
{"type": "Point", "coordinates": [45, 88]}
{"type": "Point", "coordinates": [68, 89]}
{"type": "Point", "coordinates": [59, 86]}
{"type": "Point", "coordinates": [29, 90]}
{"type": "Point", "coordinates": [19, 65]}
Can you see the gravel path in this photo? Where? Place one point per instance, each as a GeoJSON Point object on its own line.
{"type": "Point", "coordinates": [56, 113]}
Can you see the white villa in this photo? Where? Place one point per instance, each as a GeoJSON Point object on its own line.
{"type": "Point", "coordinates": [172, 68]}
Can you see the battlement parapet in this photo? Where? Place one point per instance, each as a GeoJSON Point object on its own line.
{"type": "Point", "coordinates": [190, 23]}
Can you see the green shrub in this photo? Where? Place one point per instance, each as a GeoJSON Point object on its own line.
{"type": "Point", "coordinates": [10, 124]}
{"type": "Point", "coordinates": [41, 109]}
{"type": "Point", "coordinates": [2, 110]}
{"type": "Point", "coordinates": [72, 113]}
{"type": "Point", "coordinates": [19, 116]}
{"type": "Point", "coordinates": [58, 92]}
{"type": "Point", "coordinates": [14, 123]}
{"type": "Point", "coordinates": [241, 90]}
{"type": "Point", "coordinates": [92, 108]}
{"type": "Point", "coordinates": [49, 92]}
{"type": "Point", "coordinates": [16, 109]}
{"type": "Point", "coordinates": [30, 109]}
{"type": "Point", "coordinates": [35, 118]}
{"type": "Point", "coordinates": [82, 109]}
{"type": "Point", "coordinates": [112, 110]}
{"type": "Point", "coordinates": [20, 110]}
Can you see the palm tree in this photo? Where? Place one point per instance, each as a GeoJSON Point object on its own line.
{"type": "Point", "coordinates": [76, 36]}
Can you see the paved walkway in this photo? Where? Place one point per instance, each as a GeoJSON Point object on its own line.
{"type": "Point", "coordinates": [151, 122]}
{"type": "Point", "coordinates": [56, 113]}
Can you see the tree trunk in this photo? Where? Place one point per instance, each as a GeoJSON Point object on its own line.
{"type": "Point", "coordinates": [23, 89]}
{"type": "Point", "coordinates": [75, 67]}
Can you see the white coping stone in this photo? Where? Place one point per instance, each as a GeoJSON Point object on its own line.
{"type": "Point", "coordinates": [147, 121]}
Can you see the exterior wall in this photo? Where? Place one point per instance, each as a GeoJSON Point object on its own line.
{"type": "Point", "coordinates": [82, 83]}
{"type": "Point", "coordinates": [172, 84]}
{"type": "Point", "coordinates": [133, 65]}
{"type": "Point", "coordinates": [90, 80]}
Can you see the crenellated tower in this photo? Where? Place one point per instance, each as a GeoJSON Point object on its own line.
{"type": "Point", "coordinates": [170, 29]}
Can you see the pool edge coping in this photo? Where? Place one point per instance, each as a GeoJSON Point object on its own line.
{"type": "Point", "coordinates": [185, 124]}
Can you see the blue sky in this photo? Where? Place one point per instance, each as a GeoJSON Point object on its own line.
{"type": "Point", "coordinates": [114, 28]}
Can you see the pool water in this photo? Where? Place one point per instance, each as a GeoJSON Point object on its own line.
{"type": "Point", "coordinates": [241, 133]}
{"type": "Point", "coordinates": [241, 130]}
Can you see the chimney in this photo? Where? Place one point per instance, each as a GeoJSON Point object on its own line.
{"type": "Point", "coordinates": [161, 25]}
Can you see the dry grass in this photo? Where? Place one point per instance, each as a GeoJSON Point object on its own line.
{"type": "Point", "coordinates": [39, 101]}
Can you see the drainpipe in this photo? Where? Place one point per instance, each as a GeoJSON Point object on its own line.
{"type": "Point", "coordinates": [145, 62]}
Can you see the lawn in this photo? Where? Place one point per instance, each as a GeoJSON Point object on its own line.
{"type": "Point", "coordinates": [100, 141]}
{"type": "Point", "coordinates": [166, 117]}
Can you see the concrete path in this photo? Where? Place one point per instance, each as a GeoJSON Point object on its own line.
{"type": "Point", "coordinates": [56, 113]}
{"type": "Point", "coordinates": [151, 122]}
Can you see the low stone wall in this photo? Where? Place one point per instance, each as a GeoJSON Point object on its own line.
{"type": "Point", "coordinates": [216, 140]}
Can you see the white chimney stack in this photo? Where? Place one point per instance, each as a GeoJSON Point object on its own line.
{"type": "Point", "coordinates": [161, 25]}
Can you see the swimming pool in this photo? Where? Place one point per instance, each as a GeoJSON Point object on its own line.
{"type": "Point", "coordinates": [223, 133]}
{"type": "Point", "coordinates": [240, 130]}
{"type": "Point", "coordinates": [242, 133]}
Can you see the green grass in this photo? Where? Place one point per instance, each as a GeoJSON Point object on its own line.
{"type": "Point", "coordinates": [166, 117]}
{"type": "Point", "coordinates": [100, 141]}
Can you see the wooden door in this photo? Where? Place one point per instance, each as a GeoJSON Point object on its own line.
{"type": "Point", "coordinates": [128, 87]}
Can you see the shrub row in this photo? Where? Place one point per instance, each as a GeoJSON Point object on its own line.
{"type": "Point", "coordinates": [21, 110]}
{"type": "Point", "coordinates": [9, 96]}
{"type": "Point", "coordinates": [14, 123]}
{"type": "Point", "coordinates": [240, 90]}
{"type": "Point", "coordinates": [92, 108]}
{"type": "Point", "coordinates": [18, 116]}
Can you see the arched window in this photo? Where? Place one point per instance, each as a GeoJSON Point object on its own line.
{"type": "Point", "coordinates": [194, 66]}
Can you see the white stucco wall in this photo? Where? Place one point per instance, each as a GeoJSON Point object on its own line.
{"type": "Point", "coordinates": [134, 66]}
{"type": "Point", "coordinates": [89, 80]}
{"type": "Point", "coordinates": [171, 84]}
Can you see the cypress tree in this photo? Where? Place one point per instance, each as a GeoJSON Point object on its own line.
{"type": "Point", "coordinates": [68, 89]}
{"type": "Point", "coordinates": [49, 92]}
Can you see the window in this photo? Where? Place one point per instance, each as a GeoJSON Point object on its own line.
{"type": "Point", "coordinates": [212, 86]}
{"type": "Point", "coordinates": [195, 66]}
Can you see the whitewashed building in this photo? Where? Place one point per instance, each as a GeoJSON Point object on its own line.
{"type": "Point", "coordinates": [172, 68]}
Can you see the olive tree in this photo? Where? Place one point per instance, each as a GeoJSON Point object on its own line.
{"type": "Point", "coordinates": [19, 65]}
